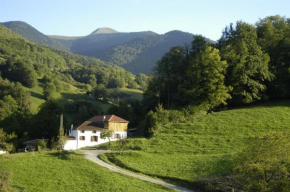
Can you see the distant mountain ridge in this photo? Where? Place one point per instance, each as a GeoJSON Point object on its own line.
{"type": "Point", "coordinates": [137, 52]}
{"type": "Point", "coordinates": [104, 30]}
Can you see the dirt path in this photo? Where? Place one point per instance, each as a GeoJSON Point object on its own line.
{"type": "Point", "coordinates": [93, 156]}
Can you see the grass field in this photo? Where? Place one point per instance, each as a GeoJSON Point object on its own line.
{"type": "Point", "coordinates": [133, 93]}
{"type": "Point", "coordinates": [203, 147]}
{"type": "Point", "coordinates": [61, 97]}
{"type": "Point", "coordinates": [53, 171]}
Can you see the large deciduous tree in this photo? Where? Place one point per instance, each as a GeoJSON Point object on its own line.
{"type": "Point", "coordinates": [248, 65]}
{"type": "Point", "coordinates": [206, 71]}
{"type": "Point", "coordinates": [274, 38]}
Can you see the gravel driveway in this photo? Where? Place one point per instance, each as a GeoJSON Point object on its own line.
{"type": "Point", "coordinates": [93, 156]}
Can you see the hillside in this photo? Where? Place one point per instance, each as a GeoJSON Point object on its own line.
{"type": "Point", "coordinates": [202, 147]}
{"type": "Point", "coordinates": [141, 55]}
{"type": "Point", "coordinates": [54, 171]}
{"type": "Point", "coordinates": [136, 52]}
{"type": "Point", "coordinates": [91, 44]}
{"type": "Point", "coordinates": [32, 74]}
{"type": "Point", "coordinates": [33, 34]}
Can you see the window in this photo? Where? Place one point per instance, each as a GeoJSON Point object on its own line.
{"type": "Point", "coordinates": [94, 138]}
{"type": "Point", "coordinates": [117, 136]}
{"type": "Point", "coordinates": [82, 131]}
{"type": "Point", "coordinates": [94, 131]}
{"type": "Point", "coordinates": [82, 138]}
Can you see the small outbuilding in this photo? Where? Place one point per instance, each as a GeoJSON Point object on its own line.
{"type": "Point", "coordinates": [2, 151]}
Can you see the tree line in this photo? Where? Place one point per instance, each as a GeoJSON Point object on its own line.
{"type": "Point", "coordinates": [247, 64]}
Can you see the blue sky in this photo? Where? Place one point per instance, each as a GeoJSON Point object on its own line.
{"type": "Point", "coordinates": [81, 17]}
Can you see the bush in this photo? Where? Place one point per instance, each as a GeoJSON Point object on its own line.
{"type": "Point", "coordinates": [41, 144]}
{"type": "Point", "coordinates": [265, 165]}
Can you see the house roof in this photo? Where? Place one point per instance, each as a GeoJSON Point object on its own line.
{"type": "Point", "coordinates": [33, 142]}
{"type": "Point", "coordinates": [97, 122]}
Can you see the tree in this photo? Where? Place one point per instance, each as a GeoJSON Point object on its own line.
{"type": "Point", "coordinates": [100, 92]}
{"type": "Point", "coordinates": [248, 65]}
{"type": "Point", "coordinates": [265, 165]}
{"type": "Point", "coordinates": [142, 80]}
{"type": "Point", "coordinates": [274, 38]}
{"type": "Point", "coordinates": [205, 78]}
{"type": "Point", "coordinates": [7, 140]}
{"type": "Point", "coordinates": [48, 90]}
{"type": "Point", "coordinates": [18, 70]}
{"type": "Point", "coordinates": [47, 121]}
{"type": "Point", "coordinates": [7, 107]}
{"type": "Point", "coordinates": [106, 134]}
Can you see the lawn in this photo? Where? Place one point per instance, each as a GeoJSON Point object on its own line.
{"type": "Point", "coordinates": [132, 93]}
{"type": "Point", "coordinates": [203, 147]}
{"type": "Point", "coordinates": [61, 97]}
{"type": "Point", "coordinates": [54, 171]}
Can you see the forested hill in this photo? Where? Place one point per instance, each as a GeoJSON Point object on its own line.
{"type": "Point", "coordinates": [142, 54]}
{"type": "Point", "coordinates": [137, 52]}
{"type": "Point", "coordinates": [26, 62]}
{"type": "Point", "coordinates": [34, 35]}
{"type": "Point", "coordinates": [93, 43]}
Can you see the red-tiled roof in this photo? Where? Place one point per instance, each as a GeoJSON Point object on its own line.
{"type": "Point", "coordinates": [97, 122]}
{"type": "Point", "coordinates": [106, 118]}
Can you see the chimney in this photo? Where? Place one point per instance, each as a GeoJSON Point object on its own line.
{"type": "Point", "coordinates": [104, 120]}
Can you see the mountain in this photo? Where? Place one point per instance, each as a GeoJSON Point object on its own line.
{"type": "Point", "coordinates": [141, 55]}
{"type": "Point", "coordinates": [103, 30]}
{"type": "Point", "coordinates": [137, 52]}
{"type": "Point", "coordinates": [33, 34]}
{"type": "Point", "coordinates": [42, 61]}
{"type": "Point", "coordinates": [91, 44]}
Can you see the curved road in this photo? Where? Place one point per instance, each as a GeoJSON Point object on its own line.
{"type": "Point", "coordinates": [93, 156]}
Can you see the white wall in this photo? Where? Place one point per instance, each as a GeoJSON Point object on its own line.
{"type": "Point", "coordinates": [2, 152]}
{"type": "Point", "coordinates": [70, 145]}
{"type": "Point", "coordinates": [76, 144]}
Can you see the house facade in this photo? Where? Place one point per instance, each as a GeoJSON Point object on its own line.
{"type": "Point", "coordinates": [88, 133]}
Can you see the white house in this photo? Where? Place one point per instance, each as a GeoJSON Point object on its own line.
{"type": "Point", "coordinates": [88, 133]}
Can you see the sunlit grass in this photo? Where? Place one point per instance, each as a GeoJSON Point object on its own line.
{"type": "Point", "coordinates": [53, 171]}
{"type": "Point", "coordinates": [204, 146]}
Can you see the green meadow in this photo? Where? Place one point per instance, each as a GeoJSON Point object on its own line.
{"type": "Point", "coordinates": [204, 147]}
{"type": "Point", "coordinates": [62, 172]}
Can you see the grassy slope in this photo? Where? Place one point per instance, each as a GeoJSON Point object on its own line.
{"type": "Point", "coordinates": [205, 146]}
{"type": "Point", "coordinates": [133, 93]}
{"type": "Point", "coordinates": [51, 171]}
{"type": "Point", "coordinates": [61, 97]}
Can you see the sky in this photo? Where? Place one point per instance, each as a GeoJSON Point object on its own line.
{"type": "Point", "coordinates": [81, 17]}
